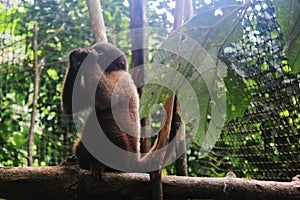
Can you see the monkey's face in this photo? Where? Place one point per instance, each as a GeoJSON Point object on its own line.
{"type": "Point", "coordinates": [99, 69]}
{"type": "Point", "coordinates": [109, 58]}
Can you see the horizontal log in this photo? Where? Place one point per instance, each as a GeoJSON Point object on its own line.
{"type": "Point", "coordinates": [70, 182]}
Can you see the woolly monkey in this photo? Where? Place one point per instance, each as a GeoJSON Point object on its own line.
{"type": "Point", "coordinates": [105, 84]}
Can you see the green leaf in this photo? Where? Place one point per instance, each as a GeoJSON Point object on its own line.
{"type": "Point", "coordinates": [238, 97]}
{"type": "Point", "coordinates": [288, 16]}
{"type": "Point", "coordinates": [187, 62]}
{"type": "Point", "coordinates": [53, 74]}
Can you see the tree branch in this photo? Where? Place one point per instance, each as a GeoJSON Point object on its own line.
{"type": "Point", "coordinates": [97, 21]}
{"type": "Point", "coordinates": [37, 73]}
{"type": "Point", "coordinates": [37, 68]}
{"type": "Point", "coordinates": [51, 36]}
{"type": "Point", "coordinates": [70, 182]}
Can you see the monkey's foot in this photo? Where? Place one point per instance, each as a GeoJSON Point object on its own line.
{"type": "Point", "coordinates": [70, 161]}
{"type": "Point", "coordinates": [97, 170]}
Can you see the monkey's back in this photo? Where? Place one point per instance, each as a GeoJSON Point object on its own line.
{"type": "Point", "coordinates": [120, 120]}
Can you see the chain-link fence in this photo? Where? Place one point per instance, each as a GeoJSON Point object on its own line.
{"type": "Point", "coordinates": [264, 143]}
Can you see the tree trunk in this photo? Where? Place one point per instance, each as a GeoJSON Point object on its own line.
{"type": "Point", "coordinates": [70, 182]}
{"type": "Point", "coordinates": [97, 21]}
{"type": "Point", "coordinates": [183, 9]}
{"type": "Point", "coordinates": [35, 94]}
{"type": "Point", "coordinates": [37, 74]}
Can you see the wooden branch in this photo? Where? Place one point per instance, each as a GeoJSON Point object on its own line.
{"type": "Point", "coordinates": [184, 10]}
{"type": "Point", "coordinates": [139, 38]}
{"type": "Point", "coordinates": [97, 21]}
{"type": "Point", "coordinates": [36, 67]}
{"type": "Point", "coordinates": [157, 192]}
{"type": "Point", "coordinates": [179, 129]}
{"type": "Point", "coordinates": [62, 182]}
{"type": "Point", "coordinates": [49, 37]}
{"type": "Point", "coordinates": [188, 10]}
{"type": "Point", "coordinates": [139, 57]}
{"type": "Point", "coordinates": [178, 16]}
{"type": "Point", "coordinates": [181, 162]}
{"type": "Point", "coordinates": [37, 74]}
{"type": "Point", "coordinates": [15, 71]}
{"type": "Point", "coordinates": [162, 141]}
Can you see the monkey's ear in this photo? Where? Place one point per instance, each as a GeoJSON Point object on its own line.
{"type": "Point", "coordinates": [77, 56]}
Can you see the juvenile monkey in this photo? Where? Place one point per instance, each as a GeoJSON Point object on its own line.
{"type": "Point", "coordinates": [105, 84]}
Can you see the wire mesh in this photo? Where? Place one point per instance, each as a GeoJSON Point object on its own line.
{"type": "Point", "coordinates": [54, 132]}
{"type": "Point", "coordinates": [264, 143]}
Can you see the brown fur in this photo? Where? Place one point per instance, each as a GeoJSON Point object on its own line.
{"type": "Point", "coordinates": [115, 73]}
{"type": "Point", "coordinates": [114, 82]}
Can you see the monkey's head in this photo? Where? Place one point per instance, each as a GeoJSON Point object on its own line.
{"type": "Point", "coordinates": [110, 57]}
{"type": "Point", "coordinates": [105, 55]}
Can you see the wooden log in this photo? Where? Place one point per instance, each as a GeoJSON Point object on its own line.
{"type": "Point", "coordinates": [70, 182]}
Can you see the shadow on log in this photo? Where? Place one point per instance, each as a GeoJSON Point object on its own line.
{"type": "Point", "coordinates": [70, 182]}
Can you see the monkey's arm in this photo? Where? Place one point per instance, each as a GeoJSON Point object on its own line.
{"type": "Point", "coordinates": [76, 58]}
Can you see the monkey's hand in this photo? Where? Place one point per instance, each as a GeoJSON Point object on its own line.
{"type": "Point", "coordinates": [76, 58]}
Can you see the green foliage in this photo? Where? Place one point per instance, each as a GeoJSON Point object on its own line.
{"type": "Point", "coordinates": [189, 58]}
{"type": "Point", "coordinates": [17, 103]}
{"type": "Point", "coordinates": [288, 16]}
{"type": "Point", "coordinates": [238, 97]}
{"type": "Point", "coordinates": [54, 132]}
{"type": "Point", "coordinates": [14, 118]}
